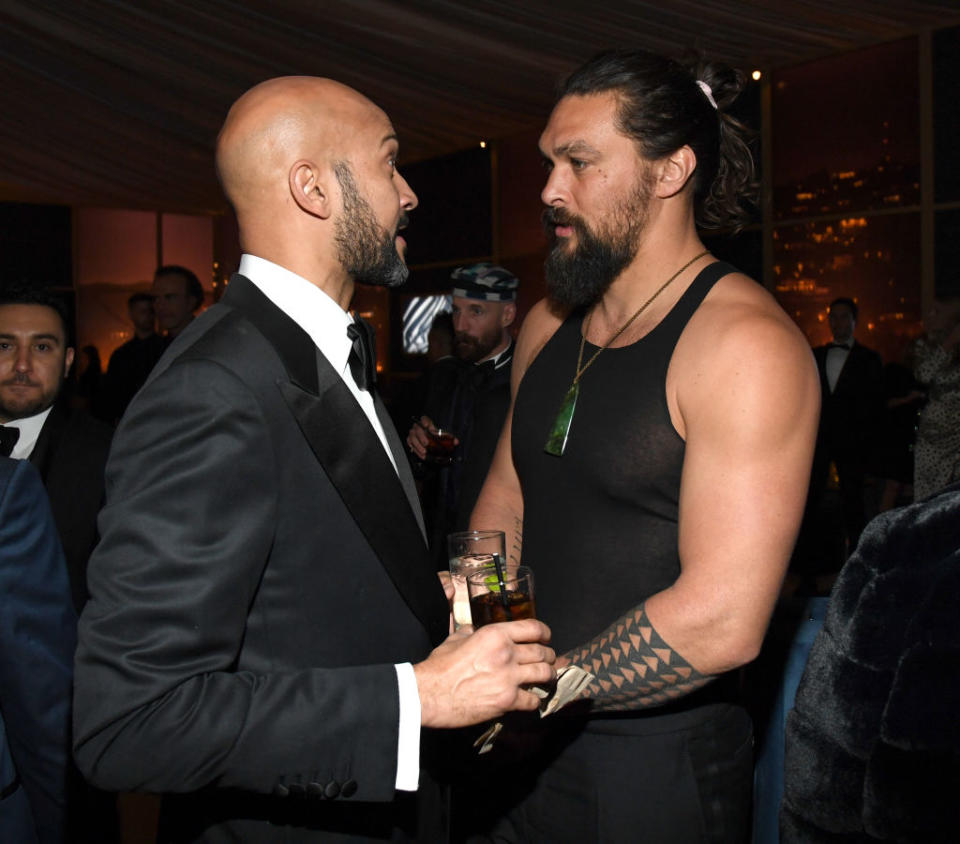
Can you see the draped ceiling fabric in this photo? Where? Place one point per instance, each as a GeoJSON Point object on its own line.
{"type": "Point", "coordinates": [114, 103]}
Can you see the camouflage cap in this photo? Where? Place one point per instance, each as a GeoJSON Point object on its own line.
{"type": "Point", "coordinates": [485, 281]}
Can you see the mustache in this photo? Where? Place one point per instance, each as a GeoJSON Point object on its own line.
{"type": "Point", "coordinates": [552, 217]}
{"type": "Point", "coordinates": [403, 222]}
{"type": "Point", "coordinates": [19, 380]}
{"type": "Point", "coordinates": [466, 339]}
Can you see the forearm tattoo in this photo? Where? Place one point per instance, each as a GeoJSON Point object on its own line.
{"type": "Point", "coordinates": [634, 668]}
{"type": "Point", "coordinates": [513, 552]}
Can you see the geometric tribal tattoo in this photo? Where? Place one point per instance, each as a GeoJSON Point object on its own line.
{"type": "Point", "coordinates": [634, 668]}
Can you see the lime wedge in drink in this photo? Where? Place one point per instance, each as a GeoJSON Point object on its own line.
{"type": "Point", "coordinates": [492, 582]}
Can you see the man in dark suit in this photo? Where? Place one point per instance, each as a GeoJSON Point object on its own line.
{"type": "Point", "coordinates": [37, 639]}
{"type": "Point", "coordinates": [851, 381]}
{"type": "Point", "coordinates": [262, 585]}
{"type": "Point", "coordinates": [132, 363]}
{"type": "Point", "coordinates": [476, 403]}
{"type": "Point", "coordinates": [68, 446]}
{"type": "Point", "coordinates": [177, 295]}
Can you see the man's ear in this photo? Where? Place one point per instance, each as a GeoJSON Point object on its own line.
{"type": "Point", "coordinates": [674, 172]}
{"type": "Point", "coordinates": [67, 361]}
{"type": "Point", "coordinates": [509, 314]}
{"type": "Point", "coordinates": [310, 188]}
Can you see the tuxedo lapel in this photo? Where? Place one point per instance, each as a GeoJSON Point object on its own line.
{"type": "Point", "coordinates": [352, 456]}
{"type": "Point", "coordinates": [50, 434]}
{"type": "Point", "coordinates": [400, 458]}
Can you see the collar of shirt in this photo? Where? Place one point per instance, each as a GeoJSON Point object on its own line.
{"type": "Point", "coordinates": [306, 304]}
{"type": "Point", "coordinates": [498, 359]}
{"type": "Point", "coordinates": [29, 433]}
{"type": "Point", "coordinates": [324, 321]}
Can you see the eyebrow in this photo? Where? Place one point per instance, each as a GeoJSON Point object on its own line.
{"type": "Point", "coordinates": [6, 335]}
{"type": "Point", "coordinates": [578, 147]}
{"type": "Point", "coordinates": [391, 137]}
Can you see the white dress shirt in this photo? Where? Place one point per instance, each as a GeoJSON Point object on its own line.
{"type": "Point", "coordinates": [29, 433]}
{"type": "Point", "coordinates": [325, 322]}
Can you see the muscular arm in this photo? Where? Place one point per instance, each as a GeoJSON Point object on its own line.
{"type": "Point", "coordinates": [748, 412]}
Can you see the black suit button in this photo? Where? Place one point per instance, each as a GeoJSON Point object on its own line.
{"type": "Point", "coordinates": [349, 788]}
{"type": "Point", "coordinates": [281, 790]}
{"type": "Point", "coordinates": [315, 789]}
{"type": "Point", "coordinates": [297, 789]}
{"type": "Point", "coordinates": [332, 790]}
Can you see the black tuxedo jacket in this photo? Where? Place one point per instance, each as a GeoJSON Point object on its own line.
{"type": "Point", "coordinates": [71, 456]}
{"type": "Point", "coordinates": [851, 414]}
{"type": "Point", "coordinates": [260, 571]}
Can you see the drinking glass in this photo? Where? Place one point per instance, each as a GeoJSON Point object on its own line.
{"type": "Point", "coordinates": [470, 551]}
{"type": "Point", "coordinates": [493, 599]}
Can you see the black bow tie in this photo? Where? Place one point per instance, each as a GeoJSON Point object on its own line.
{"type": "Point", "coordinates": [363, 355]}
{"type": "Point", "coordinates": [8, 439]}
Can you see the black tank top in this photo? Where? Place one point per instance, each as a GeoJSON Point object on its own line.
{"type": "Point", "coordinates": [600, 522]}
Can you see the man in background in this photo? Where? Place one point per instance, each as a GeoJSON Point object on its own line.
{"type": "Point", "coordinates": [67, 446]}
{"type": "Point", "coordinates": [131, 363]}
{"type": "Point", "coordinates": [177, 295]}
{"type": "Point", "coordinates": [851, 383]}
{"type": "Point", "coordinates": [473, 409]}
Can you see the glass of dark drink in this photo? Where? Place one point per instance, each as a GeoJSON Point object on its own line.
{"type": "Point", "coordinates": [492, 601]}
{"type": "Point", "coordinates": [441, 446]}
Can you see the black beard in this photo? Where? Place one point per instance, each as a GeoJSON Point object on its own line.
{"type": "Point", "coordinates": [365, 248]}
{"type": "Point", "coordinates": [579, 278]}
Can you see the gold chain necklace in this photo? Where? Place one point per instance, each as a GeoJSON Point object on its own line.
{"type": "Point", "coordinates": [557, 441]}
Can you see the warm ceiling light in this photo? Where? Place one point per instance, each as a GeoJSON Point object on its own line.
{"type": "Point", "coordinates": [483, 144]}
{"type": "Point", "coordinates": [756, 75]}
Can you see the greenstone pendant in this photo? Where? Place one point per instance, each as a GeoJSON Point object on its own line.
{"type": "Point", "coordinates": [557, 441]}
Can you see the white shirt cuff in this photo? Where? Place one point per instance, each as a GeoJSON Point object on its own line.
{"type": "Point", "coordinates": [408, 736]}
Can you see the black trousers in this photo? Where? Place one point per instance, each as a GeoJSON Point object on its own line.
{"type": "Point", "coordinates": [672, 779]}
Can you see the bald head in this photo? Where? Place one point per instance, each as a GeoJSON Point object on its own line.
{"type": "Point", "coordinates": [281, 121]}
{"type": "Point", "coordinates": [309, 166]}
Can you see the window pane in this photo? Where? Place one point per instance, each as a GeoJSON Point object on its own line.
{"type": "Point", "coordinates": [873, 260]}
{"type": "Point", "coordinates": [946, 113]}
{"type": "Point", "coordinates": [846, 132]}
{"type": "Point", "coordinates": [947, 250]}
{"type": "Point", "coordinates": [188, 242]}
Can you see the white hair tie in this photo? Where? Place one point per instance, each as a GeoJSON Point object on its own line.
{"type": "Point", "coordinates": [708, 93]}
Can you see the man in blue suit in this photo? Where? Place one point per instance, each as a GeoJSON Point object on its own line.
{"type": "Point", "coordinates": [37, 640]}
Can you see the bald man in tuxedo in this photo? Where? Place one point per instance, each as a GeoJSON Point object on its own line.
{"type": "Point", "coordinates": [266, 642]}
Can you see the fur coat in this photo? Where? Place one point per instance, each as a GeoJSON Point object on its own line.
{"type": "Point", "coordinates": [873, 741]}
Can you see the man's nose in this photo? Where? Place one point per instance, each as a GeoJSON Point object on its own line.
{"type": "Point", "coordinates": [554, 192]}
{"type": "Point", "coordinates": [408, 199]}
{"type": "Point", "coordinates": [24, 360]}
